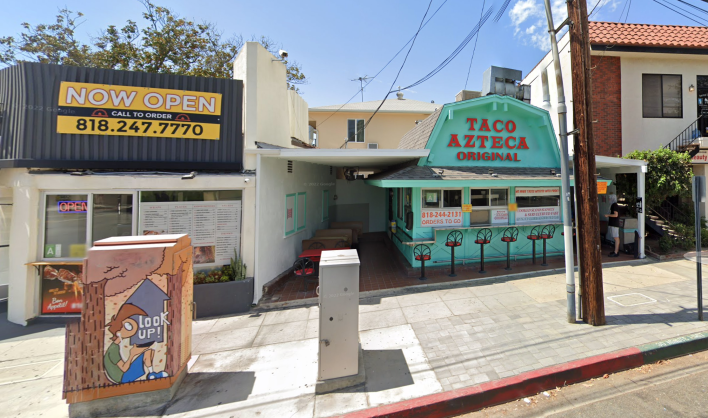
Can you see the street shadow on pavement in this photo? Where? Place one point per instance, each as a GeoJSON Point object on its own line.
{"type": "Point", "coordinates": [386, 369]}
{"type": "Point", "coordinates": [684, 315]}
{"type": "Point", "coordinates": [8, 330]}
{"type": "Point", "coordinates": [204, 390]}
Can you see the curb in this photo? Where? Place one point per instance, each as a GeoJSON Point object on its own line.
{"type": "Point", "coordinates": [473, 398]}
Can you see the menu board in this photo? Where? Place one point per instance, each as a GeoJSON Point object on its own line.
{"type": "Point", "coordinates": [214, 227]}
{"type": "Point", "coordinates": [537, 215]}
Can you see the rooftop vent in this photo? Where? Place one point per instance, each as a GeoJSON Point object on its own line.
{"type": "Point", "coordinates": [503, 81]}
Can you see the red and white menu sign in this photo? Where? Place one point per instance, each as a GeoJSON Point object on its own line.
{"type": "Point", "coordinates": [537, 215]}
{"type": "Point", "coordinates": [441, 218]}
{"type": "Point", "coordinates": [537, 191]}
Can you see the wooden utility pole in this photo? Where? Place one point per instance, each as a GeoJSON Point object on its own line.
{"type": "Point", "coordinates": [588, 218]}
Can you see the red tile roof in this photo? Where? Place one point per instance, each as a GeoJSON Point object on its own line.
{"type": "Point", "coordinates": [633, 34]}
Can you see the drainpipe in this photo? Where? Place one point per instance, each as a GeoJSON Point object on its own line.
{"type": "Point", "coordinates": [565, 175]}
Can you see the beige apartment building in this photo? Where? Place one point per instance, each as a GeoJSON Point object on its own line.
{"type": "Point", "coordinates": [343, 128]}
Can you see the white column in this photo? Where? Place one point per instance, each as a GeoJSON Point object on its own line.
{"type": "Point", "coordinates": [23, 297]}
{"type": "Point", "coordinates": [640, 216]}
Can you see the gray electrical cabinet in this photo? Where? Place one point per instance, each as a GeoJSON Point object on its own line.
{"type": "Point", "coordinates": [339, 314]}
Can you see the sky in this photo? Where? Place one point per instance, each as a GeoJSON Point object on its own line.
{"type": "Point", "coordinates": [336, 41]}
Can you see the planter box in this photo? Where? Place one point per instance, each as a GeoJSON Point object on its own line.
{"type": "Point", "coordinates": [216, 299]}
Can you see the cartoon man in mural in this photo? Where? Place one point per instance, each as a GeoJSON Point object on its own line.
{"type": "Point", "coordinates": [136, 328]}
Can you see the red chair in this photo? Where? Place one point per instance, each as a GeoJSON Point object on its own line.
{"type": "Point", "coordinates": [422, 254]}
{"type": "Point", "coordinates": [454, 239]}
{"type": "Point", "coordinates": [546, 233]}
{"type": "Point", "coordinates": [534, 236]}
{"type": "Point", "coordinates": [305, 268]}
{"type": "Point", "coordinates": [484, 237]}
{"type": "Point", "coordinates": [509, 236]}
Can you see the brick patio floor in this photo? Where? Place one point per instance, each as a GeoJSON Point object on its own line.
{"type": "Point", "coordinates": [379, 270]}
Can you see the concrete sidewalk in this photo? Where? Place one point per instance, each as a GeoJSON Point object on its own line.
{"type": "Point", "coordinates": [416, 342]}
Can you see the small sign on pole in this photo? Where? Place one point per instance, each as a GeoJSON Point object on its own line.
{"type": "Point", "coordinates": [699, 195]}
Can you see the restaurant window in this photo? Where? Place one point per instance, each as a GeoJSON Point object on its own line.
{"type": "Point", "coordinates": [441, 207]}
{"type": "Point", "coordinates": [537, 205]}
{"type": "Point", "coordinates": [112, 216]}
{"type": "Point", "coordinates": [434, 198]}
{"type": "Point", "coordinates": [211, 218]}
{"type": "Point", "coordinates": [355, 130]}
{"type": "Point", "coordinates": [65, 226]}
{"type": "Point", "coordinates": [661, 96]}
{"type": "Point", "coordinates": [489, 206]}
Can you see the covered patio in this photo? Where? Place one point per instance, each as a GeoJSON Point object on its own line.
{"type": "Point", "coordinates": [383, 267]}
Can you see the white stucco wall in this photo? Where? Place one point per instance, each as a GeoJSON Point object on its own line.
{"type": "Point", "coordinates": [298, 114]}
{"type": "Point", "coordinates": [25, 230]}
{"type": "Point", "coordinates": [639, 133]}
{"type": "Point", "coordinates": [275, 251]}
{"type": "Point", "coordinates": [355, 197]}
{"type": "Point", "coordinates": [534, 79]}
{"type": "Point", "coordinates": [268, 104]}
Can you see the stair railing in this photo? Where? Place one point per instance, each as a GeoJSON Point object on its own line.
{"type": "Point", "coordinates": [687, 137]}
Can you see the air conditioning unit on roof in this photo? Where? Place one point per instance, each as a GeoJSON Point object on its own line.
{"type": "Point", "coordinates": [372, 146]}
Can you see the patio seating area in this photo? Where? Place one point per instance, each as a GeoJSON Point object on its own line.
{"type": "Point", "coordinates": [382, 267]}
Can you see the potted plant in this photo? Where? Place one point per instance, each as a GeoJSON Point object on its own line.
{"type": "Point", "coordinates": [223, 291]}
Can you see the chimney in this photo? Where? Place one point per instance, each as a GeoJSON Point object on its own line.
{"type": "Point", "coordinates": [399, 95]}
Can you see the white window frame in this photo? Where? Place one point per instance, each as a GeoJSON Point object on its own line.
{"type": "Point", "coordinates": [491, 207]}
{"type": "Point", "coordinates": [356, 134]}
{"type": "Point", "coordinates": [89, 217]}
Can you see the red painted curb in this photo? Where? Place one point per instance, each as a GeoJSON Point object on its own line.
{"type": "Point", "coordinates": [460, 401]}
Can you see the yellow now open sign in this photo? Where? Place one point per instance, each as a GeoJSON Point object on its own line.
{"type": "Point", "coordinates": [100, 109]}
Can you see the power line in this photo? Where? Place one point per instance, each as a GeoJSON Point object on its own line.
{"type": "Point", "coordinates": [402, 65]}
{"type": "Point", "coordinates": [387, 64]}
{"type": "Point", "coordinates": [688, 11]}
{"type": "Point", "coordinates": [454, 53]}
{"type": "Point", "coordinates": [476, 38]}
{"type": "Point", "coordinates": [676, 11]}
{"type": "Point", "coordinates": [694, 6]}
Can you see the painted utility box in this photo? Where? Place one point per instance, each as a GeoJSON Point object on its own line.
{"type": "Point", "coordinates": [135, 331]}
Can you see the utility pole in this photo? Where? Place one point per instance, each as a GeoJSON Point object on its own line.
{"type": "Point", "coordinates": [565, 175]}
{"type": "Point", "coordinates": [588, 217]}
{"type": "Point", "coordinates": [361, 84]}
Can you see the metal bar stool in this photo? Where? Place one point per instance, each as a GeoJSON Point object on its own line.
{"type": "Point", "coordinates": [510, 235]}
{"type": "Point", "coordinates": [546, 233]}
{"type": "Point", "coordinates": [484, 237]}
{"type": "Point", "coordinates": [422, 254]}
{"type": "Point", "coordinates": [454, 239]}
{"type": "Point", "coordinates": [305, 268]}
{"type": "Point", "coordinates": [534, 236]}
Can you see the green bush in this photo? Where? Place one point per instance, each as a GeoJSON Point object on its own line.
{"type": "Point", "coordinates": [666, 243]}
{"type": "Point", "coordinates": [687, 236]}
{"type": "Point", "coordinates": [704, 237]}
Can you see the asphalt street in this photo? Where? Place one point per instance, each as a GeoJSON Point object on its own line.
{"type": "Point", "coordinates": [673, 388]}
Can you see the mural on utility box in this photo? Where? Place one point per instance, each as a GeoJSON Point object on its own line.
{"type": "Point", "coordinates": [136, 318]}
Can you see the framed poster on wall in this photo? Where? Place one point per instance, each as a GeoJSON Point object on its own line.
{"type": "Point", "coordinates": [290, 213]}
{"type": "Point", "coordinates": [62, 289]}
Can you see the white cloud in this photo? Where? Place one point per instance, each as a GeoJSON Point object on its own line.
{"type": "Point", "coordinates": [529, 20]}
